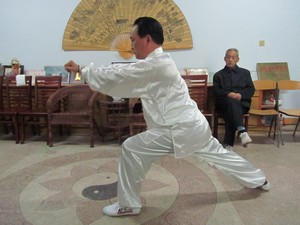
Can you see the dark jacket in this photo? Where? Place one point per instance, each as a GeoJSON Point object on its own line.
{"type": "Point", "coordinates": [233, 80]}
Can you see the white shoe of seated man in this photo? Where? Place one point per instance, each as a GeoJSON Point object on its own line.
{"type": "Point", "coordinates": [245, 139]}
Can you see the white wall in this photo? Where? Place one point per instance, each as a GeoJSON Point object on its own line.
{"type": "Point", "coordinates": [32, 30]}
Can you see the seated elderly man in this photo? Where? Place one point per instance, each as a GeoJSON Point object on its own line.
{"type": "Point", "coordinates": [233, 88]}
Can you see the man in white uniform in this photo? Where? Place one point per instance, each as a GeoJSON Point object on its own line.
{"type": "Point", "coordinates": [174, 123]}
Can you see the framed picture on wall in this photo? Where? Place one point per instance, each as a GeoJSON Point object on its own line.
{"type": "Point", "coordinates": [58, 71]}
{"type": "Point", "coordinates": [273, 71]}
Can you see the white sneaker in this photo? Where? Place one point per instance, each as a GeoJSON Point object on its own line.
{"type": "Point", "coordinates": [266, 186]}
{"type": "Point", "coordinates": [229, 148]}
{"type": "Point", "coordinates": [117, 210]}
{"type": "Point", "coordinates": [245, 139]}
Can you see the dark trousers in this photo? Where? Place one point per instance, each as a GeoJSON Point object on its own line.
{"type": "Point", "coordinates": [233, 112]}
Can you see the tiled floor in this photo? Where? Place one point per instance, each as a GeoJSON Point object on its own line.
{"type": "Point", "coordinates": [42, 186]}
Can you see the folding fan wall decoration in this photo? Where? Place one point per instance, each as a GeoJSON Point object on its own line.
{"type": "Point", "coordinates": [105, 25]}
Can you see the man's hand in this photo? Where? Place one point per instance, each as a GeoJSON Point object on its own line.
{"type": "Point", "coordinates": [234, 95]}
{"type": "Point", "coordinates": [71, 66]}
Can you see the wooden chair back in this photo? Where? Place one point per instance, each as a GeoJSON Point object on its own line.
{"type": "Point", "coordinates": [45, 86]}
{"type": "Point", "coordinates": [262, 88]}
{"type": "Point", "coordinates": [288, 85]}
{"type": "Point", "coordinates": [261, 85]}
{"type": "Point", "coordinates": [18, 98]}
{"type": "Point", "coordinates": [7, 117]}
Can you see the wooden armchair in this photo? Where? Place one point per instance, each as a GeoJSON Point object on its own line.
{"type": "Point", "coordinates": [77, 109]}
{"type": "Point", "coordinates": [45, 86]}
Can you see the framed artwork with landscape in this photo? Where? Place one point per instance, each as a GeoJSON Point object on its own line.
{"type": "Point", "coordinates": [58, 71]}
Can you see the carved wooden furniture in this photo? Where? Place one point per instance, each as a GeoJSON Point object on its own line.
{"type": "Point", "coordinates": [116, 118]}
{"type": "Point", "coordinates": [17, 99]}
{"type": "Point", "coordinates": [45, 86]}
{"type": "Point", "coordinates": [137, 122]}
{"type": "Point", "coordinates": [77, 109]}
{"type": "Point", "coordinates": [197, 85]}
{"type": "Point", "coordinates": [5, 119]}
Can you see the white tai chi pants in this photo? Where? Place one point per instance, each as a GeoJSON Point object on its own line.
{"type": "Point", "coordinates": [137, 157]}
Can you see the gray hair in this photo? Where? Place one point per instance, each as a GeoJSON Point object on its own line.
{"type": "Point", "coordinates": [232, 50]}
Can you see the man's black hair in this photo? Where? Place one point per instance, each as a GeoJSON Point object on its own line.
{"type": "Point", "coordinates": [150, 26]}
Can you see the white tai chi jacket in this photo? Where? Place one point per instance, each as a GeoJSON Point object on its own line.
{"type": "Point", "coordinates": [166, 103]}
